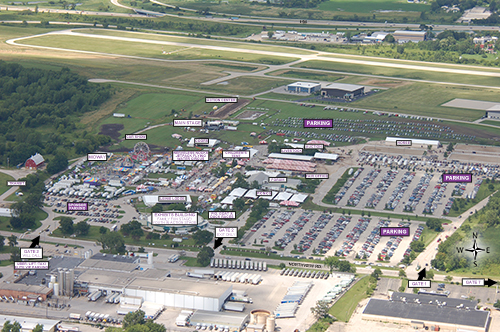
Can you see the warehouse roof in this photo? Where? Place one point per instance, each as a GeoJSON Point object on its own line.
{"type": "Point", "coordinates": [427, 312]}
{"type": "Point", "coordinates": [413, 140]}
{"type": "Point", "coordinates": [119, 279]}
{"type": "Point", "coordinates": [450, 302]}
{"type": "Point", "coordinates": [232, 320]}
{"type": "Point", "coordinates": [410, 33]}
{"type": "Point", "coordinates": [181, 286]}
{"type": "Point", "coordinates": [25, 288]}
{"type": "Point", "coordinates": [96, 264]}
{"type": "Point", "coordinates": [343, 86]}
{"type": "Point", "coordinates": [304, 84]}
{"type": "Point", "coordinates": [290, 156]}
{"type": "Point", "coordinates": [328, 156]}
{"type": "Point", "coordinates": [114, 258]}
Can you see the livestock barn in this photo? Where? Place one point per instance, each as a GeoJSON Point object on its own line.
{"type": "Point", "coordinates": [340, 90]}
{"type": "Point", "coordinates": [35, 161]}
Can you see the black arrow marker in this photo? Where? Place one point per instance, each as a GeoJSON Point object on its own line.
{"type": "Point", "coordinates": [217, 242]}
{"type": "Point", "coordinates": [35, 242]}
{"type": "Point", "coordinates": [489, 282]}
{"type": "Point", "coordinates": [421, 274]}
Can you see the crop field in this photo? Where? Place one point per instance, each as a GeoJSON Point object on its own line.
{"type": "Point", "coordinates": [196, 41]}
{"type": "Point", "coordinates": [400, 73]}
{"type": "Point", "coordinates": [138, 48]}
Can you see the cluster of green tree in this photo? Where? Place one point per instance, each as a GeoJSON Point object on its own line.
{"type": "Point", "coordinates": [259, 209]}
{"type": "Point", "coordinates": [204, 256]}
{"type": "Point", "coordinates": [434, 224]}
{"type": "Point", "coordinates": [202, 238]}
{"type": "Point", "coordinates": [68, 227]}
{"type": "Point", "coordinates": [16, 327]}
{"type": "Point", "coordinates": [32, 98]}
{"type": "Point", "coordinates": [156, 236]}
{"type": "Point", "coordinates": [135, 322]}
{"type": "Point", "coordinates": [24, 212]}
{"type": "Point", "coordinates": [132, 229]}
{"type": "Point", "coordinates": [168, 207]}
{"type": "Point", "coordinates": [463, 4]}
{"type": "Point", "coordinates": [297, 3]}
{"type": "Point", "coordinates": [112, 242]}
{"type": "Point", "coordinates": [308, 185]}
{"type": "Point", "coordinates": [334, 262]}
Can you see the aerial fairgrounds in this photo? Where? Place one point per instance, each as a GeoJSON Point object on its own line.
{"type": "Point", "coordinates": [333, 185]}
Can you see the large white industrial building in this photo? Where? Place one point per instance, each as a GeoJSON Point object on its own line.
{"type": "Point", "coordinates": [414, 141]}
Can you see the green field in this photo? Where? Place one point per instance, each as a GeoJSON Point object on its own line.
{"type": "Point", "coordinates": [399, 72]}
{"type": "Point", "coordinates": [344, 307]}
{"type": "Point", "coordinates": [149, 50]}
{"type": "Point", "coordinates": [363, 6]}
{"type": "Point", "coordinates": [3, 182]}
{"type": "Point", "coordinates": [243, 85]}
{"type": "Point", "coordinates": [491, 122]}
{"type": "Point", "coordinates": [303, 74]}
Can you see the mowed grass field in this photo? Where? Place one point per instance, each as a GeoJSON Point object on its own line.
{"type": "Point", "coordinates": [242, 85]}
{"type": "Point", "coordinates": [426, 99]}
{"type": "Point", "coordinates": [3, 182]}
{"type": "Point", "coordinates": [196, 41]}
{"type": "Point", "coordinates": [308, 75]}
{"type": "Point", "coordinates": [364, 6]}
{"type": "Point", "coordinates": [149, 50]}
{"type": "Point", "coordinates": [400, 72]}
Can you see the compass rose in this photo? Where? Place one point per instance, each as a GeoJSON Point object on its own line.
{"type": "Point", "coordinates": [475, 249]}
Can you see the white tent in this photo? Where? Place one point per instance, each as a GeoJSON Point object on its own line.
{"type": "Point", "coordinates": [283, 196]}
{"type": "Point", "coordinates": [300, 198]}
{"type": "Point", "coordinates": [238, 192]}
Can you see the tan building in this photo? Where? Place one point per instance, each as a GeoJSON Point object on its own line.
{"type": "Point", "coordinates": [404, 36]}
{"type": "Point", "coordinates": [24, 292]}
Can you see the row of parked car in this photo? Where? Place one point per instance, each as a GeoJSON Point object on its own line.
{"type": "Point", "coordinates": [435, 197]}
{"type": "Point", "coordinates": [361, 189]}
{"type": "Point", "coordinates": [399, 191]}
{"type": "Point", "coordinates": [315, 230]}
{"type": "Point", "coordinates": [418, 192]}
{"type": "Point", "coordinates": [373, 239]}
{"type": "Point", "coordinates": [293, 230]}
{"type": "Point", "coordinates": [416, 237]}
{"type": "Point", "coordinates": [347, 185]}
{"type": "Point", "coordinates": [353, 236]}
{"type": "Point", "coordinates": [334, 233]}
{"type": "Point", "coordinates": [262, 221]}
{"type": "Point", "coordinates": [393, 243]}
{"type": "Point", "coordinates": [279, 222]}
{"type": "Point", "coordinates": [381, 187]}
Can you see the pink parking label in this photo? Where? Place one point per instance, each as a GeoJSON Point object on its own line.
{"type": "Point", "coordinates": [231, 232]}
{"type": "Point", "coordinates": [80, 206]}
{"type": "Point", "coordinates": [403, 142]}
{"type": "Point", "coordinates": [221, 214]}
{"type": "Point", "coordinates": [16, 183]}
{"type": "Point", "coordinates": [174, 218]}
{"type": "Point", "coordinates": [317, 175]}
{"type": "Point", "coordinates": [171, 198]}
{"type": "Point", "coordinates": [189, 155]}
{"type": "Point", "coordinates": [457, 177]}
{"type": "Point", "coordinates": [314, 146]}
{"type": "Point", "coordinates": [201, 141]}
{"type": "Point", "coordinates": [31, 265]}
{"type": "Point", "coordinates": [132, 136]}
{"type": "Point", "coordinates": [236, 154]}
{"type": "Point", "coordinates": [318, 123]}
{"type": "Point", "coordinates": [97, 156]}
{"type": "Point", "coordinates": [188, 123]}
{"type": "Point", "coordinates": [394, 231]}
{"type": "Point", "coordinates": [291, 150]}
{"type": "Point", "coordinates": [280, 179]}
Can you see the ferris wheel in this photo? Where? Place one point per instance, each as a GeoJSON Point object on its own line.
{"type": "Point", "coordinates": [141, 151]}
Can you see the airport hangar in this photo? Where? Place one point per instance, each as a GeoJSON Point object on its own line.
{"type": "Point", "coordinates": [421, 310]}
{"type": "Point", "coordinates": [342, 90]}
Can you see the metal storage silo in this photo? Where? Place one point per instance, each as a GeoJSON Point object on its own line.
{"type": "Point", "coordinates": [56, 289]}
{"type": "Point", "coordinates": [68, 282]}
{"type": "Point", "coordinates": [60, 281]}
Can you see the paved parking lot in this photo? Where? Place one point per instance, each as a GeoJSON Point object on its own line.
{"type": "Point", "coordinates": [385, 285]}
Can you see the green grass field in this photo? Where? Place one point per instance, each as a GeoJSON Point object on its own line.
{"type": "Point", "coordinates": [149, 50]}
{"type": "Point", "coordinates": [303, 74]}
{"type": "Point", "coordinates": [400, 72]}
{"type": "Point", "coordinates": [363, 6]}
{"type": "Point", "coordinates": [344, 307]}
{"type": "Point", "coordinates": [490, 122]}
{"type": "Point", "coordinates": [3, 182]}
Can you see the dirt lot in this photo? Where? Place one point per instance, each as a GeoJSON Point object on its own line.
{"type": "Point", "coordinates": [229, 109]}
{"type": "Point", "coordinates": [475, 158]}
{"type": "Point", "coordinates": [112, 130]}
{"type": "Point", "coordinates": [479, 149]}
{"type": "Point", "coordinates": [250, 115]}
{"type": "Point", "coordinates": [385, 149]}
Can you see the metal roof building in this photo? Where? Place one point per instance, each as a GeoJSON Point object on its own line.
{"type": "Point", "coordinates": [342, 90]}
{"type": "Point", "coordinates": [34, 161]}
{"type": "Point", "coordinates": [306, 87]}
{"type": "Point", "coordinates": [427, 310]}
{"type": "Point", "coordinates": [327, 156]}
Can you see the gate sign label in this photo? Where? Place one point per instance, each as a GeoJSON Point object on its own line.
{"type": "Point", "coordinates": [31, 265]}
{"type": "Point", "coordinates": [318, 123]}
{"type": "Point", "coordinates": [80, 206]}
{"type": "Point", "coordinates": [472, 282]}
{"type": "Point", "coordinates": [174, 218]}
{"type": "Point", "coordinates": [221, 100]}
{"type": "Point", "coordinates": [231, 232]}
{"type": "Point", "coordinates": [189, 155]}
{"type": "Point", "coordinates": [394, 231]}
{"type": "Point", "coordinates": [457, 177]}
{"type": "Point", "coordinates": [236, 154]}
{"type": "Point", "coordinates": [31, 253]}
{"type": "Point", "coordinates": [419, 284]}
{"type": "Point", "coordinates": [97, 156]}
{"type": "Point", "coordinates": [221, 214]}
{"type": "Point", "coordinates": [188, 123]}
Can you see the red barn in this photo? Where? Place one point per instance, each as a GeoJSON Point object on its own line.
{"type": "Point", "coordinates": [34, 161]}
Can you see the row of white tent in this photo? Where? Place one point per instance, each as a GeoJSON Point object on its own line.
{"type": "Point", "coordinates": [275, 196]}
